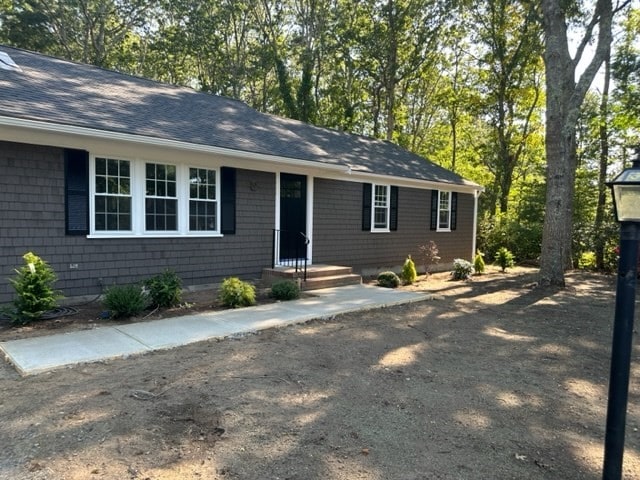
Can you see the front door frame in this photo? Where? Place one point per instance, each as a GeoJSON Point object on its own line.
{"type": "Point", "coordinates": [309, 223]}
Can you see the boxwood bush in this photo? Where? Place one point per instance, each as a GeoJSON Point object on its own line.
{"type": "Point", "coordinates": [388, 280]}
{"type": "Point", "coordinates": [285, 290]}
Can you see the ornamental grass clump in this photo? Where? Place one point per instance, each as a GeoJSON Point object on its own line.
{"type": "Point", "coordinates": [34, 288]}
{"type": "Point", "coordinates": [235, 293]}
{"type": "Point", "coordinates": [124, 301]}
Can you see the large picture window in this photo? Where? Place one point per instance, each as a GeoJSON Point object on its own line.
{"type": "Point", "coordinates": [134, 197]}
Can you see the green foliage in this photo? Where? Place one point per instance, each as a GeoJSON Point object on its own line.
{"type": "Point", "coordinates": [462, 269]}
{"type": "Point", "coordinates": [409, 273]}
{"type": "Point", "coordinates": [236, 293]}
{"type": "Point", "coordinates": [285, 290]}
{"type": "Point", "coordinates": [165, 289]}
{"type": "Point", "coordinates": [34, 288]}
{"type": "Point", "coordinates": [520, 231]}
{"type": "Point", "coordinates": [587, 261]}
{"type": "Point", "coordinates": [388, 280]}
{"type": "Point", "coordinates": [430, 254]}
{"type": "Point", "coordinates": [504, 258]}
{"type": "Point", "coordinates": [478, 263]}
{"type": "Point", "coordinates": [124, 301]}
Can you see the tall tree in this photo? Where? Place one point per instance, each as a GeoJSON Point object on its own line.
{"type": "Point", "coordinates": [510, 39]}
{"type": "Point", "coordinates": [565, 94]}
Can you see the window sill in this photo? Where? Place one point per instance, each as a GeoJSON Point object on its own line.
{"type": "Point", "coordinates": [380, 230]}
{"type": "Point", "coordinates": [149, 235]}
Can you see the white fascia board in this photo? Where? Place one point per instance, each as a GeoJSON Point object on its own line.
{"type": "Point", "coordinates": [68, 136]}
{"type": "Point", "coordinates": [53, 128]}
{"type": "Point", "coordinates": [355, 176]}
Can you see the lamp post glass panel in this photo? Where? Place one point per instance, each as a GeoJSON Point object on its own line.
{"type": "Point", "coordinates": [626, 202]}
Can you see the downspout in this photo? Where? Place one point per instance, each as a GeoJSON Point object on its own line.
{"type": "Point", "coordinates": [476, 194]}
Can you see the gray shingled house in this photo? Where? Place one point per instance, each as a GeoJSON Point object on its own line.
{"type": "Point", "coordinates": [113, 178]}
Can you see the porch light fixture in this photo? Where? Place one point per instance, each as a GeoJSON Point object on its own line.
{"type": "Point", "coordinates": [626, 204]}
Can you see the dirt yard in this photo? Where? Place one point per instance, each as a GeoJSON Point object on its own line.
{"type": "Point", "coordinates": [493, 379]}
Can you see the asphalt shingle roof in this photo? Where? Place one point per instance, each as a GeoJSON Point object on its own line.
{"type": "Point", "coordinates": [61, 92]}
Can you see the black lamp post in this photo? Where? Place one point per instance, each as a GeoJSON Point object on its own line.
{"type": "Point", "coordinates": [626, 202]}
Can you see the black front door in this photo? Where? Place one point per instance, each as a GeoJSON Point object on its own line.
{"type": "Point", "coordinates": [293, 216]}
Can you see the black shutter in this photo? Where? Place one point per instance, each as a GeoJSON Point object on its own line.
{"type": "Point", "coordinates": [393, 211]}
{"type": "Point", "coordinates": [366, 206]}
{"type": "Point", "coordinates": [76, 192]}
{"type": "Point", "coordinates": [434, 209]}
{"type": "Point", "coordinates": [454, 210]}
{"type": "Point", "coordinates": [228, 200]}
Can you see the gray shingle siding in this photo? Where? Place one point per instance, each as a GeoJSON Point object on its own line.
{"type": "Point", "coordinates": [32, 219]}
{"type": "Point", "coordinates": [339, 239]}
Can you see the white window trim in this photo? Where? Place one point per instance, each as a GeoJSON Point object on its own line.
{"type": "Point", "coordinates": [138, 223]}
{"type": "Point", "coordinates": [448, 227]}
{"type": "Point", "coordinates": [385, 229]}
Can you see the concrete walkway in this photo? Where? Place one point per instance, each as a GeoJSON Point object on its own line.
{"type": "Point", "coordinates": [40, 354]}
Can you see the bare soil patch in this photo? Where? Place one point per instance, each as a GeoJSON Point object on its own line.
{"type": "Point", "coordinates": [495, 379]}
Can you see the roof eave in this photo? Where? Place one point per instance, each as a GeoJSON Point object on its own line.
{"type": "Point", "coordinates": [343, 172]}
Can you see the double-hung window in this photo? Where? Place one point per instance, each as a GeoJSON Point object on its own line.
{"type": "Point", "coordinates": [444, 210]}
{"type": "Point", "coordinates": [380, 208]}
{"type": "Point", "coordinates": [161, 198]}
{"type": "Point", "coordinates": [112, 204]}
{"type": "Point", "coordinates": [137, 197]}
{"type": "Point", "coordinates": [203, 204]}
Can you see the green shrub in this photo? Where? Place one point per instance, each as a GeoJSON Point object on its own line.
{"type": "Point", "coordinates": [125, 301]}
{"type": "Point", "coordinates": [462, 269]}
{"type": "Point", "coordinates": [504, 258]}
{"type": "Point", "coordinates": [285, 290]}
{"type": "Point", "coordinates": [34, 288]}
{"type": "Point", "coordinates": [236, 293]}
{"type": "Point", "coordinates": [478, 263]}
{"type": "Point", "coordinates": [388, 280]}
{"type": "Point", "coordinates": [409, 273]}
{"type": "Point", "coordinates": [165, 289]}
{"type": "Point", "coordinates": [587, 261]}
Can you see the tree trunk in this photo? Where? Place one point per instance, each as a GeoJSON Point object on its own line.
{"type": "Point", "coordinates": [564, 99]}
{"type": "Point", "coordinates": [604, 163]}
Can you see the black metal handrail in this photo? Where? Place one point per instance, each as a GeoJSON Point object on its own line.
{"type": "Point", "coordinates": [295, 242]}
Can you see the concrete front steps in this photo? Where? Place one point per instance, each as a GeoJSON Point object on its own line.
{"type": "Point", "coordinates": [318, 276]}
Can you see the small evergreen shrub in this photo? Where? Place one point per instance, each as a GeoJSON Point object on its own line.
{"type": "Point", "coordinates": [285, 290]}
{"type": "Point", "coordinates": [388, 280]}
{"type": "Point", "coordinates": [462, 269]}
{"type": "Point", "coordinates": [478, 263]}
{"type": "Point", "coordinates": [587, 261]}
{"type": "Point", "coordinates": [34, 288]}
{"type": "Point", "coordinates": [504, 258]}
{"type": "Point", "coordinates": [409, 273]}
{"type": "Point", "coordinates": [236, 293]}
{"type": "Point", "coordinates": [125, 301]}
{"type": "Point", "coordinates": [165, 289]}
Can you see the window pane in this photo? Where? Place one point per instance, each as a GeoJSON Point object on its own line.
{"type": "Point", "coordinates": [101, 166]}
{"type": "Point", "coordinates": [124, 169]}
{"type": "Point", "coordinates": [171, 189]}
{"type": "Point", "coordinates": [112, 168]}
{"type": "Point", "coordinates": [101, 184]}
